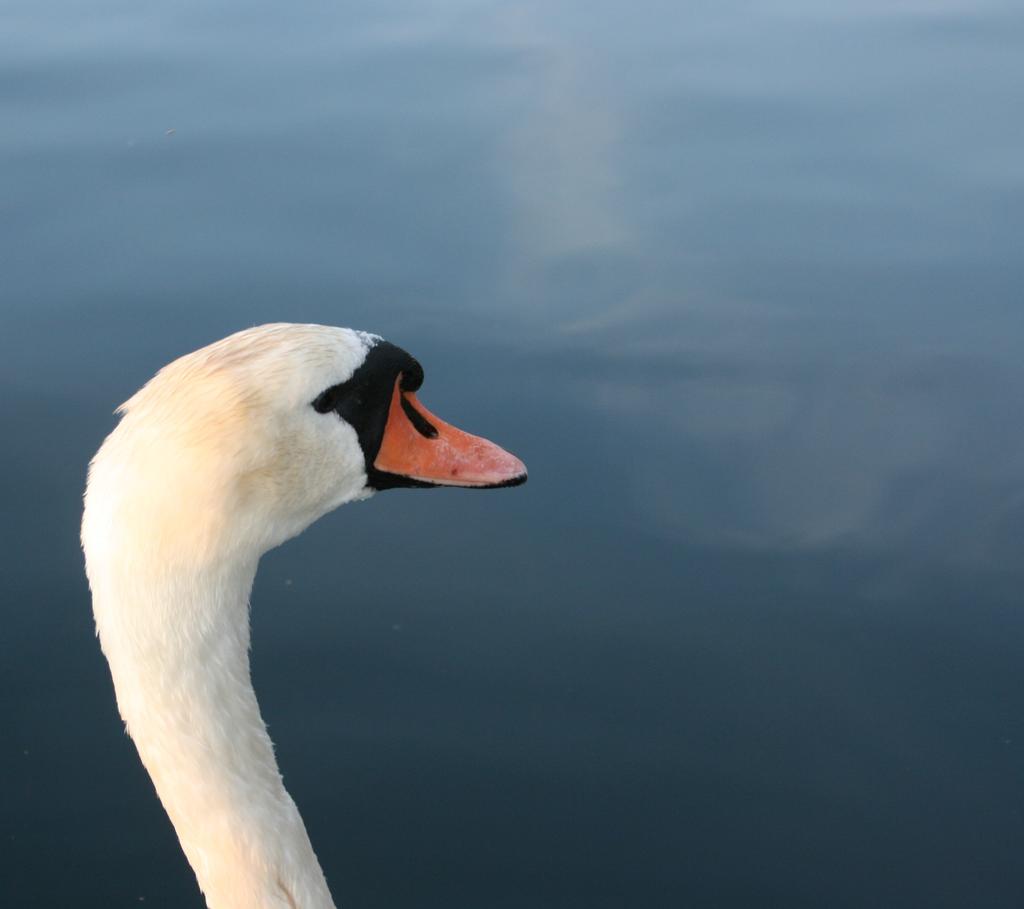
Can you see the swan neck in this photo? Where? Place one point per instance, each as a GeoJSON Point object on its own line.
{"type": "Point", "coordinates": [178, 647]}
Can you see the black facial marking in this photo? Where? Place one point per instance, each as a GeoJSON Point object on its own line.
{"type": "Point", "coordinates": [423, 426]}
{"type": "Point", "coordinates": [364, 400]}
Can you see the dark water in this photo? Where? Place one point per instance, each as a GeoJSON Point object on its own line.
{"type": "Point", "coordinates": [740, 282]}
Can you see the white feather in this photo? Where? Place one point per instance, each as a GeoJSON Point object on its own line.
{"type": "Point", "coordinates": [219, 458]}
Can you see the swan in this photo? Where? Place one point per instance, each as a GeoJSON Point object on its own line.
{"type": "Point", "coordinates": [226, 453]}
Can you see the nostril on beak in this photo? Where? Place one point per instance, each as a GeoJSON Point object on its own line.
{"type": "Point", "coordinates": [423, 426]}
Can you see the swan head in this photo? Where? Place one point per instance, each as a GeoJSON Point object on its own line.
{"type": "Point", "coordinates": [238, 446]}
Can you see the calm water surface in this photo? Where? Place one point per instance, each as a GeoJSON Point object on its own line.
{"type": "Point", "coordinates": [741, 282]}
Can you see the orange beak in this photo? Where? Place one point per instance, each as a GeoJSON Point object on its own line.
{"type": "Point", "coordinates": [420, 447]}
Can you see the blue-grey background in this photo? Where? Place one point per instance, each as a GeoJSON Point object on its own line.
{"type": "Point", "coordinates": [741, 283]}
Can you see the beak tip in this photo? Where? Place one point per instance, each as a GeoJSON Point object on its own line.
{"type": "Point", "coordinates": [514, 475]}
{"type": "Point", "coordinates": [516, 480]}
{"type": "Point", "coordinates": [517, 472]}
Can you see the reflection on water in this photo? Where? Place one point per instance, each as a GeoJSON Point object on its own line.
{"type": "Point", "coordinates": [739, 282]}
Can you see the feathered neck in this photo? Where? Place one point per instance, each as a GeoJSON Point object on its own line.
{"type": "Point", "coordinates": [178, 646]}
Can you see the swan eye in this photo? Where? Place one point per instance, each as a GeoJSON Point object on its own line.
{"type": "Point", "coordinates": [354, 399]}
{"type": "Point", "coordinates": [363, 401]}
{"type": "Point", "coordinates": [324, 402]}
